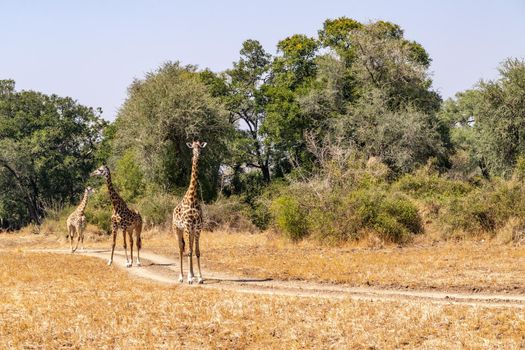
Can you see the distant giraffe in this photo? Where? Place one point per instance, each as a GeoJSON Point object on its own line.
{"type": "Point", "coordinates": [76, 222]}
{"type": "Point", "coordinates": [128, 220]}
{"type": "Point", "coordinates": [187, 217]}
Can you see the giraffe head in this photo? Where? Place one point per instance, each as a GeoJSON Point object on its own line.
{"type": "Point", "coordinates": [103, 170]}
{"type": "Point", "coordinates": [90, 190]}
{"type": "Point", "coordinates": [196, 146]}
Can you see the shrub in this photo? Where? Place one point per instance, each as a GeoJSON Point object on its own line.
{"type": "Point", "coordinates": [431, 186]}
{"type": "Point", "coordinates": [390, 229]}
{"type": "Point", "coordinates": [519, 168]}
{"type": "Point", "coordinates": [260, 215]}
{"type": "Point", "coordinates": [228, 214]}
{"type": "Point", "coordinates": [55, 222]}
{"type": "Point", "coordinates": [100, 217]}
{"type": "Point", "coordinates": [335, 215]}
{"type": "Point", "coordinates": [290, 218]}
{"type": "Point", "coordinates": [484, 210]}
{"type": "Point", "coordinates": [400, 208]}
{"type": "Point", "coordinates": [98, 211]}
{"type": "Point", "coordinates": [388, 213]}
{"type": "Point", "coordinates": [157, 209]}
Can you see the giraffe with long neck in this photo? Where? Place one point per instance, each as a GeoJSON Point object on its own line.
{"type": "Point", "coordinates": [124, 218]}
{"type": "Point", "coordinates": [76, 221]}
{"type": "Point", "coordinates": [187, 217]}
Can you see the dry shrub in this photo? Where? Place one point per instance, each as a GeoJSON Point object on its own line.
{"type": "Point", "coordinates": [461, 209]}
{"type": "Point", "coordinates": [55, 222]}
{"type": "Point", "coordinates": [512, 232]}
{"type": "Point", "coordinates": [484, 210]}
{"type": "Point", "coordinates": [228, 214]}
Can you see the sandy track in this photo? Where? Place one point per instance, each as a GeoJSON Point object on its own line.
{"type": "Point", "coordinates": [165, 270]}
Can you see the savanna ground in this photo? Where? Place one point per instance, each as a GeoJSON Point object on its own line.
{"type": "Point", "coordinates": [60, 301]}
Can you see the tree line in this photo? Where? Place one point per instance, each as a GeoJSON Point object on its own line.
{"type": "Point", "coordinates": [361, 86]}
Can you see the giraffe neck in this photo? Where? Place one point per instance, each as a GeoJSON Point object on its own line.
{"type": "Point", "coordinates": [192, 189]}
{"type": "Point", "coordinates": [83, 203]}
{"type": "Point", "coordinates": [113, 194]}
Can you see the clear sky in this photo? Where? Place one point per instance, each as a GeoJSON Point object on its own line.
{"type": "Point", "coordinates": [91, 50]}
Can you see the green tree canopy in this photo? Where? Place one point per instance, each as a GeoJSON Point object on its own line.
{"type": "Point", "coordinates": [48, 145]}
{"type": "Point", "coordinates": [489, 120]}
{"type": "Point", "coordinates": [162, 112]}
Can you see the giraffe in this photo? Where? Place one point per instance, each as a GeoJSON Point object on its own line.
{"type": "Point", "coordinates": [76, 222]}
{"type": "Point", "coordinates": [128, 220]}
{"type": "Point", "coordinates": [187, 217]}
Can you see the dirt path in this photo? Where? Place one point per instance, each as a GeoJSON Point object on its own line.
{"type": "Point", "coordinates": [165, 270]}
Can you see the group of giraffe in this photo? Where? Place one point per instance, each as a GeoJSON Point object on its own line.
{"type": "Point", "coordinates": [187, 219]}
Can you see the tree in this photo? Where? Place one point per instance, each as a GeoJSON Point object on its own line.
{"type": "Point", "coordinates": [386, 61]}
{"type": "Point", "coordinates": [491, 119]}
{"type": "Point", "coordinates": [336, 34]}
{"type": "Point", "coordinates": [47, 148]}
{"type": "Point", "coordinates": [459, 116]}
{"type": "Point", "coordinates": [245, 102]}
{"type": "Point", "coordinates": [403, 139]}
{"type": "Point", "coordinates": [373, 90]}
{"type": "Point", "coordinates": [292, 75]}
{"type": "Point", "coordinates": [241, 91]}
{"type": "Point", "coordinates": [164, 111]}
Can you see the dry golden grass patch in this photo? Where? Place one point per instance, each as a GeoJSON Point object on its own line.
{"type": "Point", "coordinates": [459, 266]}
{"type": "Point", "coordinates": [452, 266]}
{"type": "Point", "coordinates": [61, 301]}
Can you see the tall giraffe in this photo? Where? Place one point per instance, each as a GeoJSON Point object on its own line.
{"type": "Point", "coordinates": [187, 217]}
{"type": "Point", "coordinates": [76, 222]}
{"type": "Point", "coordinates": [128, 220]}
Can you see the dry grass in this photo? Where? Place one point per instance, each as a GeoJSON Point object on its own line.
{"type": "Point", "coordinates": [61, 302]}
{"type": "Point", "coordinates": [452, 266]}
{"type": "Point", "coordinates": [458, 266]}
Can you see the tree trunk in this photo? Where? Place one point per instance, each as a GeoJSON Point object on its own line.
{"type": "Point", "coordinates": [265, 172]}
{"type": "Point", "coordinates": [484, 169]}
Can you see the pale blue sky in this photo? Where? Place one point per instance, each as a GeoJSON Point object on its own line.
{"type": "Point", "coordinates": [92, 50]}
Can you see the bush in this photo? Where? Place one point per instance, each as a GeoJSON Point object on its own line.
{"type": "Point", "coordinates": [390, 214]}
{"type": "Point", "coordinates": [336, 215]}
{"type": "Point", "coordinates": [228, 214]}
{"type": "Point", "coordinates": [100, 217]}
{"type": "Point", "coordinates": [157, 209]}
{"type": "Point", "coordinates": [484, 210]}
{"type": "Point", "coordinates": [290, 218]}
{"type": "Point", "coordinates": [55, 221]}
{"type": "Point", "coordinates": [390, 229]}
{"type": "Point", "coordinates": [99, 210]}
{"type": "Point", "coordinates": [430, 186]}
{"type": "Point", "coordinates": [400, 208]}
{"type": "Point", "coordinates": [519, 168]}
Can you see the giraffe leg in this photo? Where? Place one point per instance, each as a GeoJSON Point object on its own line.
{"type": "Point", "coordinates": [180, 235]}
{"type": "Point", "coordinates": [125, 232]}
{"type": "Point", "coordinates": [71, 232]}
{"type": "Point", "coordinates": [138, 237]}
{"type": "Point", "coordinates": [114, 230]}
{"type": "Point", "coordinates": [82, 240]}
{"type": "Point", "coordinates": [191, 279]}
{"type": "Point", "coordinates": [130, 234]}
{"type": "Point", "coordinates": [198, 255]}
{"type": "Point", "coordinates": [79, 233]}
